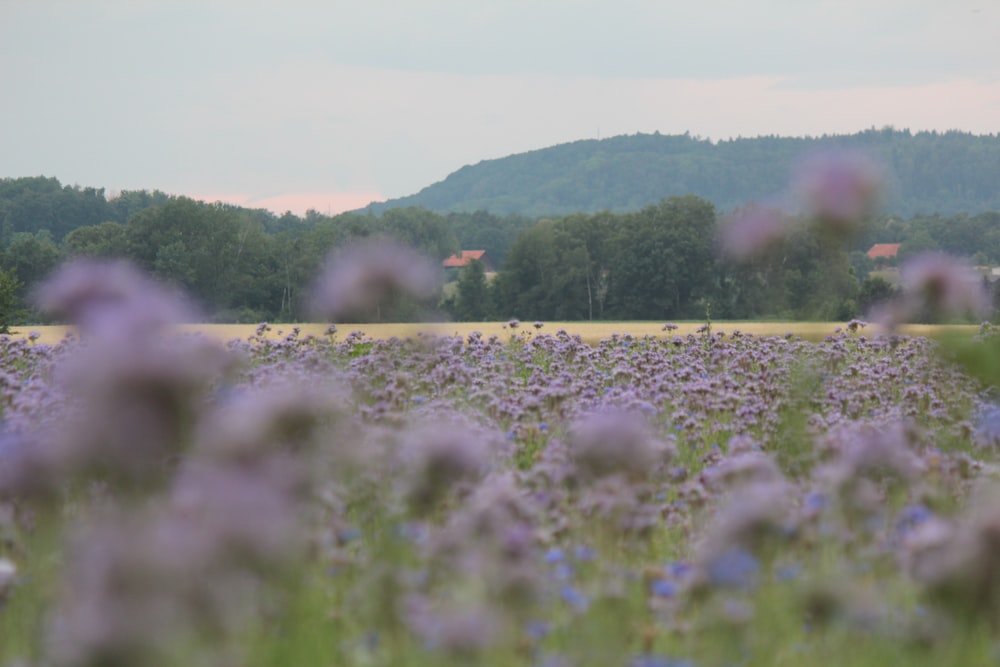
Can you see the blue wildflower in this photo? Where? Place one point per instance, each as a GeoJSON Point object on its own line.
{"type": "Point", "coordinates": [658, 661]}
{"type": "Point", "coordinates": [663, 588]}
{"type": "Point", "coordinates": [788, 572]}
{"type": "Point", "coordinates": [735, 568]}
{"type": "Point", "coordinates": [554, 555]}
{"type": "Point", "coordinates": [574, 598]}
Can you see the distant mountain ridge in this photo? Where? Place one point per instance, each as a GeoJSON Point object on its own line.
{"type": "Point", "coordinates": [929, 172]}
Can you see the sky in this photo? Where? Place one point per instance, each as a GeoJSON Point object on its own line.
{"type": "Point", "coordinates": [332, 104]}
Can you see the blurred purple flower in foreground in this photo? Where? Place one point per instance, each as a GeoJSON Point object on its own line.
{"type": "Point", "coordinates": [365, 273]}
{"type": "Point", "coordinates": [934, 285]}
{"type": "Point", "coordinates": [944, 284]}
{"type": "Point", "coordinates": [752, 230]}
{"type": "Point", "coordinates": [110, 299]}
{"type": "Point", "coordinates": [606, 443]}
{"type": "Point", "coordinates": [840, 188]}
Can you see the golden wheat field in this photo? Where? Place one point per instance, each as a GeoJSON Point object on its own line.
{"type": "Point", "coordinates": [591, 332]}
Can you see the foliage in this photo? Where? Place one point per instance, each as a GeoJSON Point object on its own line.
{"type": "Point", "coordinates": [9, 287]}
{"type": "Point", "coordinates": [655, 262]}
{"type": "Point", "coordinates": [472, 300]}
{"type": "Point", "coordinates": [946, 173]}
{"type": "Point", "coordinates": [534, 500]}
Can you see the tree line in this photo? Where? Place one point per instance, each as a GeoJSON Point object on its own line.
{"type": "Point", "coordinates": [656, 263]}
{"type": "Point", "coordinates": [662, 262]}
{"type": "Point", "coordinates": [239, 264]}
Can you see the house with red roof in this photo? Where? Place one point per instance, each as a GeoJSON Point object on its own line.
{"type": "Point", "coordinates": [883, 252]}
{"type": "Point", "coordinates": [466, 256]}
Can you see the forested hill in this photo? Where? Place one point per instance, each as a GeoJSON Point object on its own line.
{"type": "Point", "coordinates": [930, 172]}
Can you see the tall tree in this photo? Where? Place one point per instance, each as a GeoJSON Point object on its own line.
{"type": "Point", "coordinates": [472, 300]}
{"type": "Point", "coordinates": [664, 260]}
{"type": "Point", "coordinates": [9, 287]}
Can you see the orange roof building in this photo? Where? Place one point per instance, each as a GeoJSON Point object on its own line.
{"type": "Point", "coordinates": [883, 251]}
{"type": "Point", "coordinates": [466, 256]}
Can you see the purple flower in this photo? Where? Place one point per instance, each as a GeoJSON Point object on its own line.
{"type": "Point", "coordinates": [841, 189]}
{"type": "Point", "coordinates": [663, 588]}
{"type": "Point", "coordinates": [734, 568]}
{"type": "Point", "coordinates": [439, 457]}
{"type": "Point", "coordinates": [752, 230]}
{"type": "Point", "coordinates": [658, 661]}
{"type": "Point", "coordinates": [574, 598]}
{"type": "Point", "coordinates": [943, 284]}
{"type": "Point", "coordinates": [554, 555]}
{"type": "Point", "coordinates": [615, 442]}
{"type": "Point", "coordinates": [366, 273]}
{"type": "Point", "coordinates": [112, 300]}
{"type": "Point", "coordinates": [457, 630]}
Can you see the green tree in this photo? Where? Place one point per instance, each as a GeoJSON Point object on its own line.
{"type": "Point", "coordinates": [663, 262]}
{"type": "Point", "coordinates": [31, 257]}
{"type": "Point", "coordinates": [9, 288]}
{"type": "Point", "coordinates": [874, 290]}
{"type": "Point", "coordinates": [421, 229]}
{"type": "Point", "coordinates": [524, 286]}
{"type": "Point", "coordinates": [105, 240]}
{"type": "Point", "coordinates": [472, 299]}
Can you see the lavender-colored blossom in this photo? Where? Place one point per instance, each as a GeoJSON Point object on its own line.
{"type": "Point", "coordinates": [250, 513]}
{"type": "Point", "coordinates": [988, 429]}
{"type": "Point", "coordinates": [111, 300]}
{"type": "Point", "coordinates": [943, 285]}
{"type": "Point", "coordinates": [612, 442]}
{"type": "Point", "coordinates": [749, 467]}
{"type": "Point", "coordinates": [574, 598]}
{"type": "Point", "coordinates": [659, 661]}
{"type": "Point", "coordinates": [751, 231]}
{"type": "Point", "coordinates": [753, 516]}
{"type": "Point", "coordinates": [462, 631]}
{"type": "Point", "coordinates": [960, 566]}
{"type": "Point", "coordinates": [366, 273]}
{"type": "Point", "coordinates": [840, 189]}
{"type": "Point", "coordinates": [136, 401]}
{"type": "Point", "coordinates": [278, 414]}
{"type": "Point", "coordinates": [926, 546]}
{"type": "Point", "coordinates": [31, 467]}
{"type": "Point", "coordinates": [877, 453]}
{"type": "Point", "coordinates": [438, 457]}
{"type": "Point", "coordinates": [733, 568]}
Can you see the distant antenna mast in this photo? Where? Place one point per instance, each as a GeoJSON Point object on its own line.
{"type": "Point", "coordinates": [598, 132]}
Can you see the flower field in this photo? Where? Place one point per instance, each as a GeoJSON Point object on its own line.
{"type": "Point", "coordinates": [676, 497]}
{"type": "Point", "coordinates": [518, 498]}
{"type": "Point", "coordinates": [590, 332]}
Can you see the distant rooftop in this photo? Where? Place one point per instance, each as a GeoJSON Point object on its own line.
{"type": "Point", "coordinates": [883, 250]}
{"type": "Point", "coordinates": [463, 258]}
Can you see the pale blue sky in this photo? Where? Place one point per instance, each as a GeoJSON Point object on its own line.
{"type": "Point", "coordinates": [331, 104]}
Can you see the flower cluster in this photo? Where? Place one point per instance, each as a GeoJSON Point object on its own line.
{"type": "Point", "coordinates": [709, 499]}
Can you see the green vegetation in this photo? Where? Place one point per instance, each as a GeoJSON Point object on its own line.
{"type": "Point", "coordinates": [639, 256]}
{"type": "Point", "coordinates": [933, 172]}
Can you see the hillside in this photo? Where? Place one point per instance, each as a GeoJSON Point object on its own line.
{"type": "Point", "coordinates": [930, 172]}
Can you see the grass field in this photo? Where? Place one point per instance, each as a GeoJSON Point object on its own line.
{"type": "Point", "coordinates": [591, 332]}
